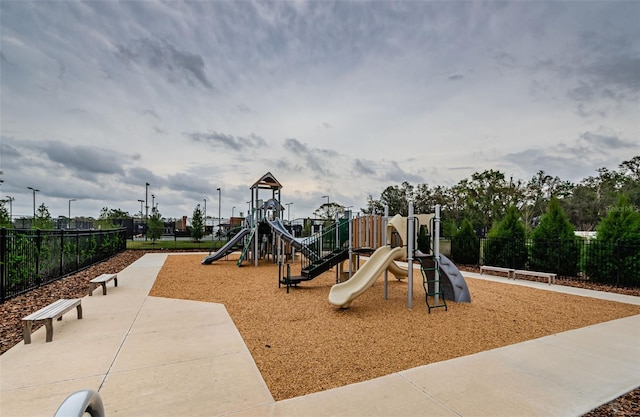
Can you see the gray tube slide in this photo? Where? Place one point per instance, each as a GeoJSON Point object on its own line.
{"type": "Point", "coordinates": [457, 286]}
{"type": "Point", "coordinates": [278, 228]}
{"type": "Point", "coordinates": [227, 248]}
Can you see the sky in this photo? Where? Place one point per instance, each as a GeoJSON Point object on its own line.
{"type": "Point", "coordinates": [338, 99]}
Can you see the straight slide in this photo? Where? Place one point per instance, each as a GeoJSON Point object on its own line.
{"type": "Point", "coordinates": [344, 293]}
{"type": "Point", "coordinates": [227, 248]}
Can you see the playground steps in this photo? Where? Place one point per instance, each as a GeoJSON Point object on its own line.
{"type": "Point", "coordinates": [430, 270]}
{"type": "Point", "coordinates": [247, 245]}
{"type": "Point", "coordinates": [324, 264]}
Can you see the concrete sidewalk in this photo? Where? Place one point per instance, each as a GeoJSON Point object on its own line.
{"type": "Point", "coordinates": [163, 357]}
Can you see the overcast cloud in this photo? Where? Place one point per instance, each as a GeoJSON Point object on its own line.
{"type": "Point", "coordinates": [334, 98]}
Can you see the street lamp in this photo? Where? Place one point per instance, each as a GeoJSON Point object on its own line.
{"type": "Point", "coordinates": [34, 201]}
{"type": "Point", "coordinates": [327, 197]}
{"type": "Point", "coordinates": [10, 207]}
{"type": "Point", "coordinates": [141, 212]}
{"type": "Point", "coordinates": [69, 225]}
{"type": "Point", "coordinates": [153, 202]}
{"type": "Point", "coordinates": [146, 208]}
{"type": "Point", "coordinates": [288, 212]}
{"type": "Point", "coordinates": [219, 205]}
{"type": "Point", "coordinates": [205, 215]}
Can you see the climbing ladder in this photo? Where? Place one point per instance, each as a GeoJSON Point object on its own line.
{"type": "Point", "coordinates": [247, 246]}
{"type": "Point", "coordinates": [433, 288]}
{"type": "Point", "coordinates": [430, 266]}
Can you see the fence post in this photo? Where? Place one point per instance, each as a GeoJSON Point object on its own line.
{"type": "Point", "coordinates": [618, 261]}
{"type": "Point", "coordinates": [61, 250]}
{"type": "Point", "coordinates": [77, 231]}
{"type": "Point", "coordinates": [3, 261]}
{"type": "Point", "coordinates": [559, 251]}
{"type": "Point", "coordinates": [38, 247]}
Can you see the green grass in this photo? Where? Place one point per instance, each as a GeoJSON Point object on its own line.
{"type": "Point", "coordinates": [203, 245]}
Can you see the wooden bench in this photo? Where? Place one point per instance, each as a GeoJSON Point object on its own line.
{"type": "Point", "coordinates": [551, 278]}
{"type": "Point", "coordinates": [508, 271]}
{"type": "Point", "coordinates": [47, 314]}
{"type": "Point", "coordinates": [102, 280]}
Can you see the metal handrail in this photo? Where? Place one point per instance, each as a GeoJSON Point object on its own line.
{"type": "Point", "coordinates": [81, 402]}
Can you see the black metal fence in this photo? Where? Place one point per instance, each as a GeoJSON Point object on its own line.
{"type": "Point", "coordinates": [608, 262]}
{"type": "Point", "coordinates": [31, 258]}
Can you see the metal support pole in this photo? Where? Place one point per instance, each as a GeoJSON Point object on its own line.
{"type": "Point", "coordinates": [436, 252]}
{"type": "Point", "coordinates": [411, 237]}
{"type": "Point", "coordinates": [384, 243]}
{"type": "Point", "coordinates": [350, 219]}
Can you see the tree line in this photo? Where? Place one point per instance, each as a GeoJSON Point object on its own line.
{"type": "Point", "coordinates": [484, 198]}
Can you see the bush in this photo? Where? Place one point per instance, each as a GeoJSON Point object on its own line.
{"type": "Point", "coordinates": [555, 247]}
{"type": "Point", "coordinates": [505, 244]}
{"type": "Point", "coordinates": [465, 246]}
{"type": "Point", "coordinates": [618, 233]}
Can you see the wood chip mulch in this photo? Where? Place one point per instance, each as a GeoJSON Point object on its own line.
{"type": "Point", "coordinates": [302, 344]}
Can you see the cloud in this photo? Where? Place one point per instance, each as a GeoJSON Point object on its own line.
{"type": "Point", "coordinates": [607, 141]}
{"type": "Point", "coordinates": [228, 141]}
{"type": "Point", "coordinates": [84, 159]}
{"type": "Point", "coordinates": [398, 175]}
{"type": "Point", "coordinates": [574, 160]}
{"type": "Point", "coordinates": [455, 77]}
{"type": "Point", "coordinates": [363, 167]}
{"type": "Point", "coordinates": [160, 55]}
{"type": "Point", "coordinates": [318, 160]}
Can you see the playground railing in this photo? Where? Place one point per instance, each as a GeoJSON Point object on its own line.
{"type": "Point", "coordinates": [332, 237]}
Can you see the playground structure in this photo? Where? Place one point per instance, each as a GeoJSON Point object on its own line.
{"type": "Point", "coordinates": [386, 242]}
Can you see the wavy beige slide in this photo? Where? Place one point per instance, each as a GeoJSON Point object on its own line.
{"type": "Point", "coordinates": [398, 271]}
{"type": "Point", "coordinates": [344, 293]}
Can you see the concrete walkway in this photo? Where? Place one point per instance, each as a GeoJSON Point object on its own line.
{"type": "Point", "coordinates": [151, 356]}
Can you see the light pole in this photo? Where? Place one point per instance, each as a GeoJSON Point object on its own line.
{"type": "Point", "coordinates": [34, 201]}
{"type": "Point", "coordinates": [288, 212]}
{"type": "Point", "coordinates": [153, 202]}
{"type": "Point", "coordinates": [146, 208]}
{"type": "Point", "coordinates": [69, 225]}
{"type": "Point", "coordinates": [327, 197]}
{"type": "Point", "coordinates": [219, 205]}
{"type": "Point", "coordinates": [10, 208]}
{"type": "Point", "coordinates": [205, 215]}
{"type": "Point", "coordinates": [141, 213]}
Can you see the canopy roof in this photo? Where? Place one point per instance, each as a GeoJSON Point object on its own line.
{"type": "Point", "coordinates": [267, 181]}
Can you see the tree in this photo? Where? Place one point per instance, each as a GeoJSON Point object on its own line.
{"type": "Point", "coordinates": [505, 244]}
{"type": "Point", "coordinates": [465, 246]}
{"type": "Point", "coordinates": [109, 218]}
{"type": "Point", "coordinates": [5, 221]}
{"type": "Point", "coordinates": [537, 194]}
{"type": "Point", "coordinates": [197, 224]}
{"type": "Point", "coordinates": [580, 208]}
{"type": "Point", "coordinates": [555, 247]}
{"type": "Point", "coordinates": [485, 196]}
{"type": "Point", "coordinates": [373, 206]}
{"type": "Point", "coordinates": [397, 198]}
{"type": "Point", "coordinates": [328, 212]}
{"type": "Point", "coordinates": [618, 232]}
{"type": "Point", "coordinates": [155, 226]}
{"type": "Point", "coordinates": [43, 218]}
